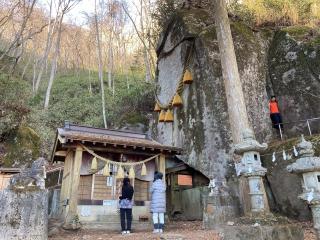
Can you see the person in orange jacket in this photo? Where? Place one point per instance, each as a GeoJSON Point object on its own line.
{"type": "Point", "coordinates": [275, 115]}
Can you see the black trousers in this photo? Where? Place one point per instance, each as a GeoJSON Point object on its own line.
{"type": "Point", "coordinates": [276, 120]}
{"type": "Point", "coordinates": [126, 213]}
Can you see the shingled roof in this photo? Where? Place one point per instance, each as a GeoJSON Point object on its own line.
{"type": "Point", "coordinates": [72, 133]}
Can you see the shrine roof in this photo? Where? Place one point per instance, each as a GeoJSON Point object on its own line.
{"type": "Point", "coordinates": [85, 135]}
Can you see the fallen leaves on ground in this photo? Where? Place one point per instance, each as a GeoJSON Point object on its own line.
{"type": "Point", "coordinates": [179, 230]}
{"type": "Point", "coordinates": [174, 231]}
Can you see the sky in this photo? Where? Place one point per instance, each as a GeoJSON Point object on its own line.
{"type": "Point", "coordinates": [76, 12]}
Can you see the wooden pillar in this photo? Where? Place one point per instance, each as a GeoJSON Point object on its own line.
{"type": "Point", "coordinates": [74, 186]}
{"type": "Point", "coordinates": [65, 185]}
{"type": "Point", "coordinates": [92, 186]}
{"type": "Point", "coordinates": [162, 166]}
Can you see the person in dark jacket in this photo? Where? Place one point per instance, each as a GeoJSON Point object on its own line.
{"type": "Point", "coordinates": [158, 202]}
{"type": "Point", "coordinates": [126, 206]}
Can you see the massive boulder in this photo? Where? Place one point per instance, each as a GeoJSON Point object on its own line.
{"type": "Point", "coordinates": [270, 62]}
{"type": "Point", "coordinates": [201, 126]}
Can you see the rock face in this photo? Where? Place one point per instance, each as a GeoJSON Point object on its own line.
{"type": "Point", "coordinates": [294, 76]}
{"type": "Point", "coordinates": [24, 206]}
{"type": "Point", "coordinates": [269, 63]}
{"type": "Point", "coordinates": [285, 187]}
{"type": "Point", "coordinates": [201, 126]}
{"type": "Point", "coordinates": [21, 148]}
{"type": "Point", "coordinates": [193, 4]}
{"type": "Point", "coordinates": [291, 232]}
{"type": "Point", "coordinates": [23, 215]}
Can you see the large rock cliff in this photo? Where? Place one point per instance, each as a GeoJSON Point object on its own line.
{"type": "Point", "coordinates": [201, 126]}
{"type": "Point", "coordinates": [270, 62]}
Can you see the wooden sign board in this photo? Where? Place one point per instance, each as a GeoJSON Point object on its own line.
{"type": "Point", "coordinates": [184, 180]}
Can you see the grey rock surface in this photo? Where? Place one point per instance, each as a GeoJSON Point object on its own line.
{"type": "Point", "coordinates": [24, 215]}
{"type": "Point", "coordinates": [294, 76]}
{"type": "Point", "coordinates": [201, 126]}
{"type": "Point", "coordinates": [269, 63]}
{"type": "Point", "coordinates": [280, 232]}
{"type": "Point", "coordinates": [24, 205]}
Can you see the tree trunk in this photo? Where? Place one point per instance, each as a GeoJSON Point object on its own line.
{"type": "Point", "coordinates": [103, 101]}
{"type": "Point", "coordinates": [34, 75]}
{"type": "Point", "coordinates": [236, 104]}
{"type": "Point", "coordinates": [26, 67]}
{"type": "Point", "coordinates": [90, 87]}
{"type": "Point", "coordinates": [110, 63]}
{"type": "Point", "coordinates": [43, 61]}
{"type": "Point", "coordinates": [145, 49]}
{"type": "Point", "coordinates": [54, 64]}
{"type": "Point", "coordinates": [147, 64]}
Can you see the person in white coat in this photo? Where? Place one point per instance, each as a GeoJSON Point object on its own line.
{"type": "Point", "coordinates": [158, 202]}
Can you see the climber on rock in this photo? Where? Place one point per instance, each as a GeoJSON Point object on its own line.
{"type": "Point", "coordinates": [275, 115]}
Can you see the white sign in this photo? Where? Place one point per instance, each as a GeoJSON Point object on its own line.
{"type": "Point", "coordinates": [110, 203]}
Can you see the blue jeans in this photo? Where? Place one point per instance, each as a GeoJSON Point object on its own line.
{"type": "Point", "coordinates": [158, 220]}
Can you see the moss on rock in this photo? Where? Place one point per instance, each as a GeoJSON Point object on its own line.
{"type": "Point", "coordinates": [22, 147]}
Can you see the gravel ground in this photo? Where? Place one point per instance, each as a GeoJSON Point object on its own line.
{"type": "Point", "coordinates": [175, 231]}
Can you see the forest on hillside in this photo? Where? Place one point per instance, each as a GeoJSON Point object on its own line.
{"type": "Point", "coordinates": [99, 70]}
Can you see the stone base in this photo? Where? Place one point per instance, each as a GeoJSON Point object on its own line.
{"type": "Point", "coordinates": [245, 232]}
{"type": "Point", "coordinates": [71, 226]}
{"type": "Point", "coordinates": [218, 210]}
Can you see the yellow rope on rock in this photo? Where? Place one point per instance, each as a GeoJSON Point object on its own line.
{"type": "Point", "coordinates": [118, 163]}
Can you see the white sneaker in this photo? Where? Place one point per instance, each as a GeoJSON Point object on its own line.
{"type": "Point", "coordinates": [123, 232]}
{"type": "Point", "coordinates": [156, 230]}
{"type": "Point", "coordinates": [160, 231]}
{"type": "Point", "coordinates": [127, 232]}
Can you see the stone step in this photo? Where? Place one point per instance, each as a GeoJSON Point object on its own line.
{"type": "Point", "coordinates": [109, 225]}
{"type": "Point", "coordinates": [105, 218]}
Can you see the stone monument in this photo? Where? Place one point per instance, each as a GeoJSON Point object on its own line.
{"type": "Point", "coordinates": [308, 166]}
{"type": "Point", "coordinates": [250, 167]}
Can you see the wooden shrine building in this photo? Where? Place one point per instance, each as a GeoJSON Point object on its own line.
{"type": "Point", "coordinates": [93, 159]}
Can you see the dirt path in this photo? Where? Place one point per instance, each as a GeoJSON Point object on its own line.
{"type": "Point", "coordinates": [175, 231]}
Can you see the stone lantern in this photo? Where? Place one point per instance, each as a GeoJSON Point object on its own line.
{"type": "Point", "coordinates": [308, 166]}
{"type": "Point", "coordinates": [250, 167]}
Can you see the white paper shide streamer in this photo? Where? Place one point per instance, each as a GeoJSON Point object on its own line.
{"type": "Point", "coordinates": [274, 157]}
{"type": "Point", "coordinates": [295, 152]}
{"type": "Point", "coordinates": [284, 155]}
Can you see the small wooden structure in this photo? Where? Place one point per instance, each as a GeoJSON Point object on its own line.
{"type": "Point", "coordinates": [91, 197]}
{"type": "Point", "coordinates": [185, 189]}
{"type": "Point", "coordinates": [5, 175]}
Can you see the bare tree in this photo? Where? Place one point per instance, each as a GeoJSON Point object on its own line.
{"type": "Point", "coordinates": [51, 29]}
{"type": "Point", "coordinates": [103, 101]}
{"type": "Point", "coordinates": [66, 6]}
{"type": "Point", "coordinates": [27, 8]}
{"type": "Point", "coordinates": [143, 37]}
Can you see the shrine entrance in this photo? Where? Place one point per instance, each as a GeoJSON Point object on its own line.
{"type": "Point", "coordinates": [95, 162]}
